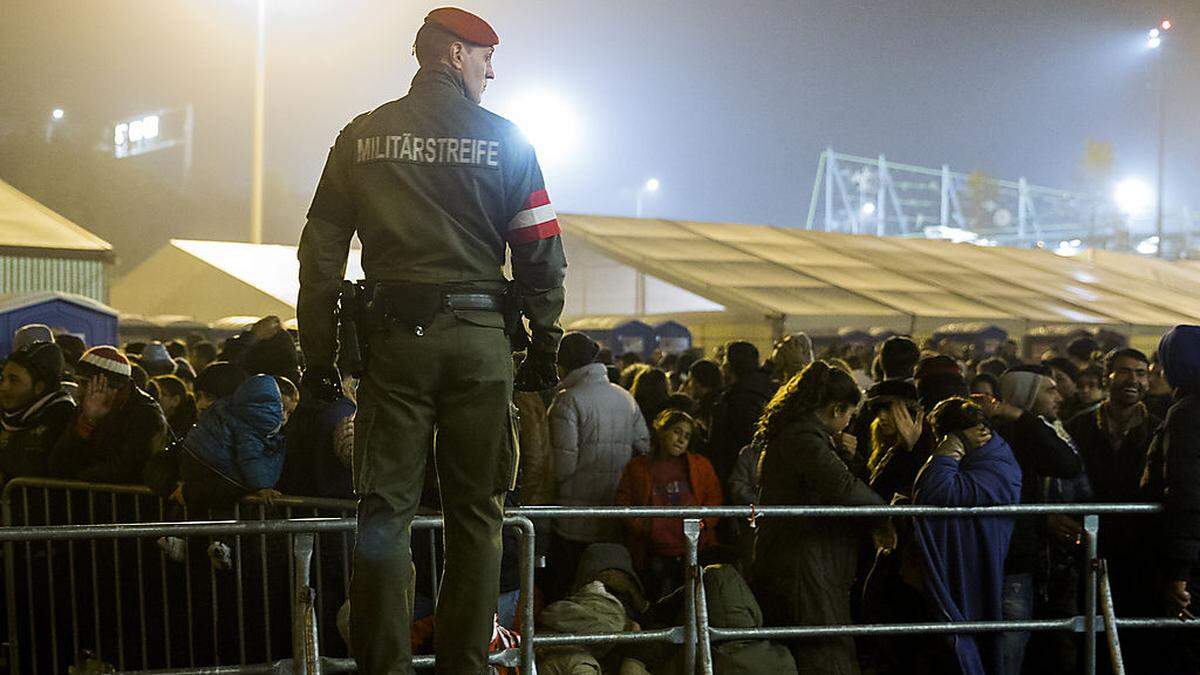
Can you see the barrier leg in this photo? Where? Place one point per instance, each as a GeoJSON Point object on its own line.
{"type": "Point", "coordinates": [703, 638]}
{"type": "Point", "coordinates": [1091, 527]}
{"type": "Point", "coordinates": [305, 660]}
{"type": "Point", "coordinates": [1110, 621]}
{"type": "Point", "coordinates": [691, 531]}
{"type": "Point", "coordinates": [529, 546]}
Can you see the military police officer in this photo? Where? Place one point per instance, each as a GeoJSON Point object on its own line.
{"type": "Point", "coordinates": [437, 189]}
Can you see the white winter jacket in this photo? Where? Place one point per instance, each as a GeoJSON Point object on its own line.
{"type": "Point", "coordinates": [595, 429]}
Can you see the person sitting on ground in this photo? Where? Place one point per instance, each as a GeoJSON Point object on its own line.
{"type": "Point", "coordinates": [668, 476]}
{"type": "Point", "coordinates": [35, 410]}
{"type": "Point", "coordinates": [177, 403]}
{"type": "Point", "coordinates": [117, 426]}
{"type": "Point", "coordinates": [804, 568]}
{"type": "Point", "coordinates": [963, 558]}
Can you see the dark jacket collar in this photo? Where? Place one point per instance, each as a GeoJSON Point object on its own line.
{"type": "Point", "coordinates": [439, 77]}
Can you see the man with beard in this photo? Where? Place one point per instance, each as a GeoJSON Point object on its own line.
{"type": "Point", "coordinates": [1113, 438]}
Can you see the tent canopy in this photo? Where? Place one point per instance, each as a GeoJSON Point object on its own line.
{"type": "Point", "coordinates": [818, 279]}
{"type": "Point", "coordinates": [210, 280]}
{"type": "Point", "coordinates": [27, 224]}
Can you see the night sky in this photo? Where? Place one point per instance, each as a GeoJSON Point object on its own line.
{"type": "Point", "coordinates": [728, 103]}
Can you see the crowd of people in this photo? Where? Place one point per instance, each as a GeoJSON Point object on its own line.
{"type": "Point", "coordinates": [207, 425]}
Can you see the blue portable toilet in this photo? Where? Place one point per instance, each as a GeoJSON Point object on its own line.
{"type": "Point", "coordinates": [620, 334]}
{"type": "Point", "coordinates": [91, 320]}
{"type": "Point", "coordinates": [984, 337]}
{"type": "Point", "coordinates": [672, 337]}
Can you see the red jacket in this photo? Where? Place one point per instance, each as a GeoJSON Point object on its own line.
{"type": "Point", "coordinates": [637, 489]}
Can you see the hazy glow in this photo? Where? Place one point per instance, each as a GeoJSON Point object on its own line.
{"type": "Point", "coordinates": [1154, 42]}
{"type": "Point", "coordinates": [652, 185]}
{"type": "Point", "coordinates": [1133, 196]}
{"type": "Point", "coordinates": [867, 209]}
{"type": "Point", "coordinates": [1153, 33]}
{"type": "Point", "coordinates": [1148, 246]}
{"type": "Point", "coordinates": [57, 114]}
{"type": "Point", "coordinates": [1166, 24]}
{"type": "Point", "coordinates": [549, 123]}
{"type": "Point", "coordinates": [1068, 248]}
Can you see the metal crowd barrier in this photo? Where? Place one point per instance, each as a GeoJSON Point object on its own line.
{"type": "Point", "coordinates": [696, 635]}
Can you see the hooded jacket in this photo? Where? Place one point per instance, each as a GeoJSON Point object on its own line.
{"type": "Point", "coordinates": [595, 429]}
{"type": "Point", "coordinates": [118, 447]}
{"type": "Point", "coordinates": [238, 436]}
{"type": "Point", "coordinates": [964, 557]}
{"type": "Point", "coordinates": [1173, 461]}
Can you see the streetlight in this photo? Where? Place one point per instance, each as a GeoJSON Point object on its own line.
{"type": "Point", "coordinates": [649, 187]}
{"type": "Point", "coordinates": [57, 113]}
{"type": "Point", "coordinates": [1154, 41]}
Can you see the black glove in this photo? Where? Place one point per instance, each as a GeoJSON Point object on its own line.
{"type": "Point", "coordinates": [537, 372]}
{"type": "Point", "coordinates": [323, 383]}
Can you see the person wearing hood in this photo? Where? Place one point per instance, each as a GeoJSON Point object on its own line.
{"type": "Point", "coordinates": [1026, 416]}
{"type": "Point", "coordinates": [963, 558]}
{"type": "Point", "coordinates": [1173, 475]}
{"type": "Point", "coordinates": [595, 429]}
{"type": "Point", "coordinates": [35, 410]}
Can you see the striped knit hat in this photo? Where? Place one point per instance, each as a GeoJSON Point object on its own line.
{"type": "Point", "coordinates": [107, 359]}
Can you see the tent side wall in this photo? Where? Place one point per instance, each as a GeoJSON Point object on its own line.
{"type": "Point", "coordinates": [22, 272]}
{"type": "Point", "coordinates": [173, 282]}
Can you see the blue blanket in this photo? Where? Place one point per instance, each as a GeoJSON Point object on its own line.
{"type": "Point", "coordinates": [964, 557]}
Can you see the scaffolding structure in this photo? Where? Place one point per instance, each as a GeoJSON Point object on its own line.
{"type": "Point", "coordinates": [873, 195]}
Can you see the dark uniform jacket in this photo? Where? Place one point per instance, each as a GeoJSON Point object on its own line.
{"type": "Point", "coordinates": [28, 437]}
{"type": "Point", "coordinates": [436, 188]}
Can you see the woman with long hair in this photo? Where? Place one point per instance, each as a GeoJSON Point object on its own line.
{"type": "Point", "coordinates": [651, 389]}
{"type": "Point", "coordinates": [804, 567]}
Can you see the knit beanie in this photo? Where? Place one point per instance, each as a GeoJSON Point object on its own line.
{"type": "Point", "coordinates": [31, 333]}
{"type": "Point", "coordinates": [1020, 388]}
{"type": "Point", "coordinates": [938, 378]}
{"type": "Point", "coordinates": [576, 350]}
{"type": "Point", "coordinates": [43, 360]}
{"type": "Point", "coordinates": [104, 359]}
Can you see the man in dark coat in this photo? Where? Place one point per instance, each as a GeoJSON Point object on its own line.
{"type": "Point", "coordinates": [118, 427]}
{"type": "Point", "coordinates": [35, 409]}
{"type": "Point", "coordinates": [737, 411]}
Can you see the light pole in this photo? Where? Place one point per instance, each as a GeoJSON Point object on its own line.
{"type": "Point", "coordinates": [256, 166]}
{"type": "Point", "coordinates": [1155, 42]}
{"type": "Point", "coordinates": [639, 281]}
{"type": "Point", "coordinates": [649, 187]}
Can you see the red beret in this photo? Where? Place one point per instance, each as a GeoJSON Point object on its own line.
{"type": "Point", "coordinates": [465, 25]}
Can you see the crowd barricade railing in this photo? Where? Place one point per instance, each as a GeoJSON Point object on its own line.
{"type": "Point", "coordinates": [128, 603]}
{"type": "Point", "coordinates": [23, 533]}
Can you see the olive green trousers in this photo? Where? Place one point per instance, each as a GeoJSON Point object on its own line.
{"type": "Point", "coordinates": [450, 387]}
